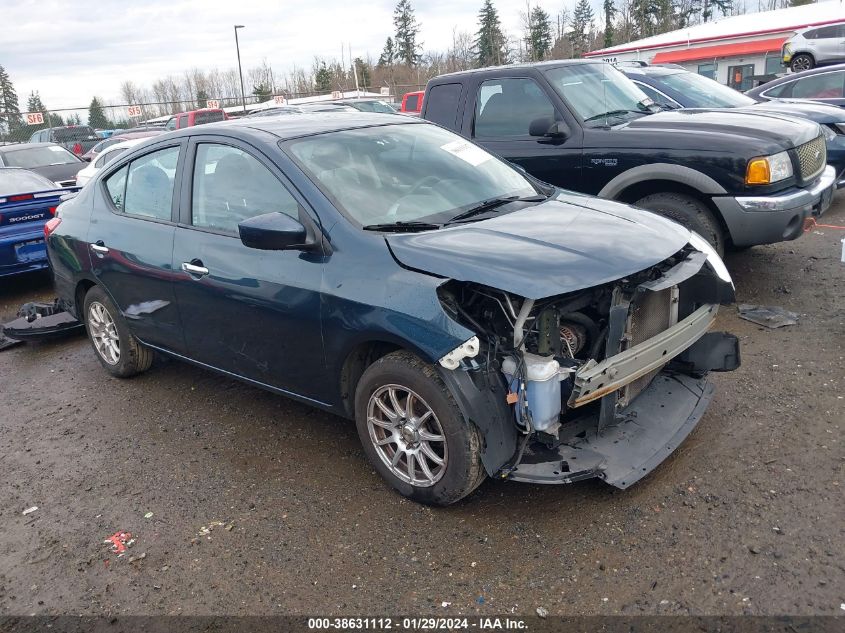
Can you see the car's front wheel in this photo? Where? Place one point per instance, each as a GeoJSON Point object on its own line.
{"type": "Point", "coordinates": [118, 351]}
{"type": "Point", "coordinates": [414, 433]}
{"type": "Point", "coordinates": [688, 211]}
{"type": "Point", "coordinates": [801, 62]}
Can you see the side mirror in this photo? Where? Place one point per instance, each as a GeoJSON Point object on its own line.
{"type": "Point", "coordinates": [548, 127]}
{"type": "Point", "coordinates": [273, 232]}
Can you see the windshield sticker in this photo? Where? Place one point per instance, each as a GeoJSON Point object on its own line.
{"type": "Point", "coordinates": [467, 152]}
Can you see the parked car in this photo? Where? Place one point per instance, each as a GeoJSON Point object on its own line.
{"type": "Point", "coordinates": [815, 46]}
{"type": "Point", "coordinates": [104, 157]}
{"type": "Point", "coordinates": [674, 88]}
{"type": "Point", "coordinates": [367, 105]}
{"type": "Point", "coordinates": [412, 103]}
{"type": "Point", "coordinates": [584, 125]}
{"type": "Point", "coordinates": [195, 117]}
{"type": "Point", "coordinates": [27, 201]}
{"type": "Point", "coordinates": [825, 85]}
{"type": "Point", "coordinates": [126, 135]}
{"type": "Point", "coordinates": [76, 138]}
{"type": "Point", "coordinates": [468, 317]}
{"type": "Point", "coordinates": [52, 161]}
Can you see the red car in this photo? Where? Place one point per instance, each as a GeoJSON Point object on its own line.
{"type": "Point", "coordinates": [195, 117]}
{"type": "Point", "coordinates": [412, 103]}
{"type": "Point", "coordinates": [92, 153]}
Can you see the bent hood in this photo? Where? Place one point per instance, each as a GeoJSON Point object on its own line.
{"type": "Point", "coordinates": [774, 127]}
{"type": "Point", "coordinates": [564, 244]}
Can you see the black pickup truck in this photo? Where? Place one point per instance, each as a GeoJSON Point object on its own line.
{"type": "Point", "coordinates": [738, 179]}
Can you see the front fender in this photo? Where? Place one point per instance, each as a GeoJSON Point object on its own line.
{"type": "Point", "coordinates": [662, 171]}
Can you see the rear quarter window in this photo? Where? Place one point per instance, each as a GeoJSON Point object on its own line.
{"type": "Point", "coordinates": [442, 105]}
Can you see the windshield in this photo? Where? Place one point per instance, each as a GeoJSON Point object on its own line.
{"type": "Point", "coordinates": [701, 92]}
{"type": "Point", "coordinates": [405, 173]}
{"type": "Point", "coordinates": [593, 90]}
{"type": "Point", "coordinates": [39, 156]}
{"type": "Point", "coordinates": [372, 106]}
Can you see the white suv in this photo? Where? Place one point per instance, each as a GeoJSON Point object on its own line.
{"type": "Point", "coordinates": [815, 46]}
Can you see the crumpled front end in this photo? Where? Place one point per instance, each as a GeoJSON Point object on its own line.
{"type": "Point", "coordinates": [603, 382]}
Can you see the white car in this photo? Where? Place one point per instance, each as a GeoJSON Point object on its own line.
{"type": "Point", "coordinates": [86, 174]}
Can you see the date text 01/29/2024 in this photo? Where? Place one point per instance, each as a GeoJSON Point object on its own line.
{"type": "Point", "coordinates": [416, 624]}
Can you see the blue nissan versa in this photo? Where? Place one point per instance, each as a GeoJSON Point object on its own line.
{"type": "Point", "coordinates": [472, 320]}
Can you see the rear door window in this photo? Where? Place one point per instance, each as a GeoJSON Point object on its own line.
{"type": "Point", "coordinates": [442, 105]}
{"type": "Point", "coordinates": [149, 184]}
{"type": "Point", "coordinates": [821, 86]}
{"type": "Point", "coordinates": [230, 186]}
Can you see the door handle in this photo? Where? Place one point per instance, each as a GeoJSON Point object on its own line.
{"type": "Point", "coordinates": [193, 269]}
{"type": "Point", "coordinates": [99, 247]}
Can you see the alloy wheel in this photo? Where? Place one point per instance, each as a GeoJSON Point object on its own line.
{"type": "Point", "coordinates": [407, 435]}
{"type": "Point", "coordinates": [103, 331]}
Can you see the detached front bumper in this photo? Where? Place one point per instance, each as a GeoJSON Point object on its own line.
{"type": "Point", "coordinates": [768, 219]}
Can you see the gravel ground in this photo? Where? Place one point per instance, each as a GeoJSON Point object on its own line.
{"type": "Point", "coordinates": [243, 502]}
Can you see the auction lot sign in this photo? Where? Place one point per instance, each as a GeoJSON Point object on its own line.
{"type": "Point", "coordinates": [133, 111]}
{"type": "Point", "coordinates": [34, 118]}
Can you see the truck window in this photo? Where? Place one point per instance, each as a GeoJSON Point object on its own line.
{"type": "Point", "coordinates": [210, 116]}
{"type": "Point", "coordinates": [506, 107]}
{"type": "Point", "coordinates": [442, 105]}
{"type": "Point", "coordinates": [411, 102]}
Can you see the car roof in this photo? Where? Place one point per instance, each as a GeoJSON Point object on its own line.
{"type": "Point", "coordinates": [650, 71]}
{"type": "Point", "coordinates": [793, 76]}
{"type": "Point", "coordinates": [553, 63]}
{"type": "Point", "coordinates": [130, 142]}
{"type": "Point", "coordinates": [306, 124]}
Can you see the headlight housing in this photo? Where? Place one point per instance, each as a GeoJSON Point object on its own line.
{"type": "Point", "coordinates": [765, 170]}
{"type": "Point", "coordinates": [840, 127]}
{"type": "Point", "coordinates": [828, 133]}
{"type": "Point", "coordinates": [700, 244]}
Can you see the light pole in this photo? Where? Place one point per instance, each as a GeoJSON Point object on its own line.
{"type": "Point", "coordinates": [240, 72]}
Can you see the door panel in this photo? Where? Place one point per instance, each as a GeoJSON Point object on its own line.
{"type": "Point", "coordinates": [131, 254]}
{"type": "Point", "coordinates": [254, 313]}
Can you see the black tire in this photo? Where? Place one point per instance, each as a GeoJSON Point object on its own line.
{"type": "Point", "coordinates": [802, 62]}
{"type": "Point", "coordinates": [463, 471]}
{"type": "Point", "coordinates": [133, 358]}
{"type": "Point", "coordinates": [691, 212]}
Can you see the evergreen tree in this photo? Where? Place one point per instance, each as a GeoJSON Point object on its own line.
{"type": "Point", "coordinates": [96, 117]}
{"type": "Point", "coordinates": [581, 26]}
{"type": "Point", "coordinates": [609, 13]}
{"type": "Point", "coordinates": [263, 91]}
{"type": "Point", "coordinates": [74, 119]}
{"type": "Point", "coordinates": [407, 29]}
{"type": "Point", "coordinates": [9, 109]}
{"type": "Point", "coordinates": [323, 79]}
{"type": "Point", "coordinates": [388, 55]}
{"type": "Point", "coordinates": [490, 42]}
{"type": "Point", "coordinates": [202, 98]}
{"type": "Point", "coordinates": [539, 34]}
{"type": "Point", "coordinates": [362, 70]}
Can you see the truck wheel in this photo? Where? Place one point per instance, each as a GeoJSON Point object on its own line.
{"type": "Point", "coordinates": [413, 432]}
{"type": "Point", "coordinates": [118, 350]}
{"type": "Point", "coordinates": [690, 212]}
{"type": "Point", "coordinates": [802, 61]}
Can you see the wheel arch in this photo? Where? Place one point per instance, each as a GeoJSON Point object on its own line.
{"type": "Point", "coordinates": [355, 363]}
{"type": "Point", "coordinates": [702, 184]}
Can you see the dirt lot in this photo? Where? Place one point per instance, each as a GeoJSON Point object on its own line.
{"type": "Point", "coordinates": [746, 518]}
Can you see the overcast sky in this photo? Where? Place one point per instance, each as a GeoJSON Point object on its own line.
{"type": "Point", "coordinates": [72, 50]}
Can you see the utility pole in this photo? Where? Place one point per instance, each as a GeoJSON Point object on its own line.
{"type": "Point", "coordinates": [240, 71]}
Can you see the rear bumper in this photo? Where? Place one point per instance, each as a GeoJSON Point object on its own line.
{"type": "Point", "coordinates": [14, 261]}
{"type": "Point", "coordinates": [768, 219]}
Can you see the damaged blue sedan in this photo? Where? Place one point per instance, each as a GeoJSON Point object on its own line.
{"type": "Point", "coordinates": [472, 320]}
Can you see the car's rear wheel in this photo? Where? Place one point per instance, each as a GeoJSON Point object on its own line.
{"type": "Point", "coordinates": [118, 351]}
{"type": "Point", "coordinates": [414, 433]}
{"type": "Point", "coordinates": [802, 61]}
{"type": "Point", "coordinates": [690, 212]}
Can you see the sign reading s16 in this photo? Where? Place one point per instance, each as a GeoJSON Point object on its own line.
{"type": "Point", "coordinates": [133, 111]}
{"type": "Point", "coordinates": [34, 118]}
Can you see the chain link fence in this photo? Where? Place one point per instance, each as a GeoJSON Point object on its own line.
{"type": "Point", "coordinates": [109, 119]}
